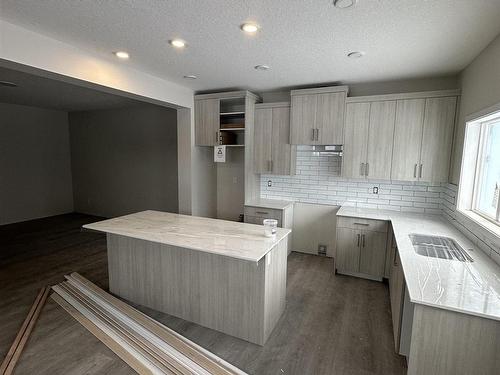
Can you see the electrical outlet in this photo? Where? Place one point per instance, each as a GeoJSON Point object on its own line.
{"type": "Point", "coordinates": [375, 190]}
{"type": "Point", "coordinates": [269, 183]}
{"type": "Point", "coordinates": [322, 249]}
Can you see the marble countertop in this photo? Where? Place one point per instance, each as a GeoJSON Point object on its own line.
{"type": "Point", "coordinates": [472, 288]}
{"type": "Point", "coordinates": [226, 238]}
{"type": "Point", "coordinates": [270, 203]}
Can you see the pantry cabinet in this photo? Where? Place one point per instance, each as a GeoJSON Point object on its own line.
{"type": "Point", "coordinates": [423, 139]}
{"type": "Point", "coordinates": [272, 149]}
{"type": "Point", "coordinates": [361, 247]}
{"type": "Point", "coordinates": [317, 116]}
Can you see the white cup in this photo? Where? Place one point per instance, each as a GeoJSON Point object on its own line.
{"type": "Point", "coordinates": [270, 227]}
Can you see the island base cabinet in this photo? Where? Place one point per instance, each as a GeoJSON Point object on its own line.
{"type": "Point", "coordinates": [241, 298]}
{"type": "Point", "coordinates": [445, 342]}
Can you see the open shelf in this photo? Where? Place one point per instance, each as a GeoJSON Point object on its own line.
{"type": "Point", "coordinates": [231, 129]}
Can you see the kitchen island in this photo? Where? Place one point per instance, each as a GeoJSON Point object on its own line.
{"type": "Point", "coordinates": [220, 274]}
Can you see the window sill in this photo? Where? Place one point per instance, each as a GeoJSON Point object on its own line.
{"type": "Point", "coordinates": [482, 222]}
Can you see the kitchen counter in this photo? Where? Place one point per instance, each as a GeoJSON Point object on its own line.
{"type": "Point", "coordinates": [221, 237]}
{"type": "Point", "coordinates": [471, 288]}
{"type": "Point", "coordinates": [270, 203]}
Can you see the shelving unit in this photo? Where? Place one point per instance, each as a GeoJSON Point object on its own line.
{"type": "Point", "coordinates": [232, 122]}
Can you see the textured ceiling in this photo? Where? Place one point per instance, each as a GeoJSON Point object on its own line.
{"type": "Point", "coordinates": [304, 41]}
{"type": "Point", "coordinates": [42, 92]}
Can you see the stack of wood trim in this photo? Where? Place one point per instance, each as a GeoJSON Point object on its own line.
{"type": "Point", "coordinates": [144, 344]}
{"type": "Point", "coordinates": [10, 360]}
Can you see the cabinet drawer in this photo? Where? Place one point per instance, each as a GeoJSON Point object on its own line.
{"type": "Point", "coordinates": [266, 213]}
{"type": "Point", "coordinates": [362, 224]}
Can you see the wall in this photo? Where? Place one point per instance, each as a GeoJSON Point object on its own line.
{"type": "Point", "coordinates": [35, 170]}
{"type": "Point", "coordinates": [124, 160]}
{"type": "Point", "coordinates": [480, 83]}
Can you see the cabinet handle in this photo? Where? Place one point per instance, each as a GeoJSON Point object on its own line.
{"type": "Point", "coordinates": [362, 169]}
{"type": "Point", "coordinates": [358, 235]}
{"type": "Point", "coordinates": [317, 134]}
{"type": "Point", "coordinates": [415, 171]}
{"type": "Point", "coordinates": [363, 239]}
{"type": "Point", "coordinates": [367, 169]}
{"type": "Point", "coordinates": [216, 137]}
{"type": "Point", "coordinates": [420, 172]}
{"type": "Point", "coordinates": [313, 132]}
{"type": "Point", "coordinates": [262, 212]}
{"type": "Point", "coordinates": [394, 260]}
{"type": "Point", "coordinates": [363, 224]}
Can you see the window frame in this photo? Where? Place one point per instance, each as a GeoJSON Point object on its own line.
{"type": "Point", "coordinates": [479, 169]}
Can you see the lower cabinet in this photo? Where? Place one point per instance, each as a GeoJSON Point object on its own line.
{"type": "Point", "coordinates": [361, 247]}
{"type": "Point", "coordinates": [396, 292]}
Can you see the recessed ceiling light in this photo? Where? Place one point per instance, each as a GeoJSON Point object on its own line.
{"type": "Point", "coordinates": [249, 28]}
{"type": "Point", "coordinates": [177, 43]}
{"type": "Point", "coordinates": [8, 84]}
{"type": "Point", "coordinates": [121, 55]}
{"type": "Point", "coordinates": [355, 54]}
{"type": "Point", "coordinates": [342, 4]}
{"type": "Point", "coordinates": [190, 77]}
{"type": "Point", "coordinates": [261, 67]}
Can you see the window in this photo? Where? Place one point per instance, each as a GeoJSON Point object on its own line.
{"type": "Point", "coordinates": [487, 184]}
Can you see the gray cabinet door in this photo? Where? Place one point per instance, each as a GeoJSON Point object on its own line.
{"type": "Point", "coordinates": [396, 291]}
{"type": "Point", "coordinates": [439, 122]}
{"type": "Point", "coordinates": [407, 139]}
{"type": "Point", "coordinates": [282, 151]}
{"type": "Point", "coordinates": [303, 119]}
{"type": "Point", "coordinates": [206, 122]}
{"type": "Point", "coordinates": [330, 118]}
{"type": "Point", "coordinates": [372, 253]}
{"type": "Point", "coordinates": [263, 129]}
{"type": "Point", "coordinates": [348, 248]}
{"type": "Point", "coordinates": [355, 140]}
{"type": "Point", "coordinates": [380, 140]}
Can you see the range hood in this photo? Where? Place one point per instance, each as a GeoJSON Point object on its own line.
{"type": "Point", "coordinates": [323, 150]}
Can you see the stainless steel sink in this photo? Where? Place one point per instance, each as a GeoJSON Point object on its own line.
{"type": "Point", "coordinates": [439, 247]}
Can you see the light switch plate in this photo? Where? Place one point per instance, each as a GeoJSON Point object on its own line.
{"type": "Point", "coordinates": [375, 190]}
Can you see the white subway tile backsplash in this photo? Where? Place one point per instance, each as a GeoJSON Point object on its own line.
{"type": "Point", "coordinates": [318, 181]}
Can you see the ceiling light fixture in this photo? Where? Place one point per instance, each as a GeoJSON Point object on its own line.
{"type": "Point", "coordinates": [355, 54]}
{"type": "Point", "coordinates": [121, 55]}
{"type": "Point", "coordinates": [343, 4]}
{"type": "Point", "coordinates": [250, 28]}
{"type": "Point", "coordinates": [190, 77]}
{"type": "Point", "coordinates": [177, 43]}
{"type": "Point", "coordinates": [261, 67]}
{"type": "Point", "coordinates": [8, 84]}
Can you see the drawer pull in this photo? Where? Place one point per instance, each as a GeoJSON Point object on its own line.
{"type": "Point", "coordinates": [363, 224]}
{"type": "Point", "coordinates": [262, 212]}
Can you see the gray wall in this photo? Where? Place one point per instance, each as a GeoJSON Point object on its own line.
{"type": "Point", "coordinates": [124, 160]}
{"type": "Point", "coordinates": [480, 83]}
{"type": "Point", "coordinates": [35, 169]}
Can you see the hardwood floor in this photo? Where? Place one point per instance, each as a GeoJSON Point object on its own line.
{"type": "Point", "coordinates": [331, 325]}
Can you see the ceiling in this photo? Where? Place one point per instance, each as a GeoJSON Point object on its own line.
{"type": "Point", "coordinates": [303, 41]}
{"type": "Point", "coordinates": [43, 92]}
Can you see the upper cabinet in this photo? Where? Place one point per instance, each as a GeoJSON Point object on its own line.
{"type": "Point", "coordinates": [206, 121]}
{"type": "Point", "coordinates": [400, 137]}
{"type": "Point", "coordinates": [224, 118]}
{"type": "Point", "coordinates": [423, 139]}
{"type": "Point", "coordinates": [317, 116]}
{"type": "Point", "coordinates": [272, 149]}
{"type": "Point", "coordinates": [369, 131]}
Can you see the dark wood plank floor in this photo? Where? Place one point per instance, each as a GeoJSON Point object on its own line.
{"type": "Point", "coordinates": [331, 325]}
